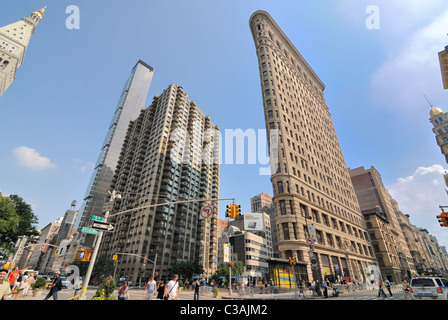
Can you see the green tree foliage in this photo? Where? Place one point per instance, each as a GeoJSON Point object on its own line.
{"type": "Point", "coordinates": [185, 269]}
{"type": "Point", "coordinates": [223, 270]}
{"type": "Point", "coordinates": [16, 219]}
{"type": "Point", "coordinates": [9, 220]}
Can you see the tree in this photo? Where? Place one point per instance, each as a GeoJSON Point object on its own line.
{"type": "Point", "coordinates": [28, 219]}
{"type": "Point", "coordinates": [186, 268]}
{"type": "Point", "coordinates": [9, 220]}
{"type": "Point", "coordinates": [223, 270]}
{"type": "Point", "coordinates": [104, 266]}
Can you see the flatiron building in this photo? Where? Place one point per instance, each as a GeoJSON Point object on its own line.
{"type": "Point", "coordinates": [310, 181]}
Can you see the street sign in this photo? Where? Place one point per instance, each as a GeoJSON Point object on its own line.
{"type": "Point", "coordinates": [206, 212]}
{"type": "Point", "coordinates": [95, 218]}
{"type": "Point", "coordinates": [90, 230]}
{"type": "Point", "coordinates": [103, 226]}
{"type": "Point", "coordinates": [310, 241]}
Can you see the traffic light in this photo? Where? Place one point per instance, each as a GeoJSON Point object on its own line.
{"type": "Point", "coordinates": [56, 252]}
{"type": "Point", "coordinates": [231, 211]}
{"type": "Point", "coordinates": [80, 255]}
{"type": "Point", "coordinates": [115, 257]}
{"type": "Point", "coordinates": [292, 261]}
{"type": "Point", "coordinates": [83, 255]}
{"type": "Point", "coordinates": [236, 210]}
{"type": "Point", "coordinates": [443, 219]}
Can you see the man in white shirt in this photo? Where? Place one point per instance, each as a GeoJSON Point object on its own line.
{"type": "Point", "coordinates": [151, 288]}
{"type": "Point", "coordinates": [172, 289]}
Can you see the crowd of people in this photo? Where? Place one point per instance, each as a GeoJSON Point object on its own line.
{"type": "Point", "coordinates": [16, 284]}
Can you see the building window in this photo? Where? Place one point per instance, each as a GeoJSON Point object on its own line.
{"type": "Point", "coordinates": [285, 231]}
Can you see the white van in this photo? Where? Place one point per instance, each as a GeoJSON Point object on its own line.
{"type": "Point", "coordinates": [429, 288]}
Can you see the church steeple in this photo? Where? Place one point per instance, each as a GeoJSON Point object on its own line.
{"type": "Point", "coordinates": [14, 39]}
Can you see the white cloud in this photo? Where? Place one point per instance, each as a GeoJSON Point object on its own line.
{"type": "Point", "coordinates": [420, 196]}
{"type": "Point", "coordinates": [30, 158]}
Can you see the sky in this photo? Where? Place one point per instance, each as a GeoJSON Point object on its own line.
{"type": "Point", "coordinates": [378, 60]}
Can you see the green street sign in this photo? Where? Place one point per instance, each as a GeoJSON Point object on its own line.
{"type": "Point", "coordinates": [90, 230]}
{"type": "Point", "coordinates": [95, 218]}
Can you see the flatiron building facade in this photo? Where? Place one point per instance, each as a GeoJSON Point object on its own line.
{"type": "Point", "coordinates": [170, 154]}
{"type": "Point", "coordinates": [310, 180]}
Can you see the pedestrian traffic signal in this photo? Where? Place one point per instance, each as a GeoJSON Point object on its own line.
{"type": "Point", "coordinates": [80, 255]}
{"type": "Point", "coordinates": [443, 219]}
{"type": "Point", "coordinates": [83, 255]}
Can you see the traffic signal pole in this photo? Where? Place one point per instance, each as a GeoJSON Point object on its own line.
{"type": "Point", "coordinates": [113, 197]}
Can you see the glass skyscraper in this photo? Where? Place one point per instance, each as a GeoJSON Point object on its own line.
{"type": "Point", "coordinates": [132, 101]}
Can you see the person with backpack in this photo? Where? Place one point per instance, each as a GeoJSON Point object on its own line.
{"type": "Point", "coordinates": [56, 286]}
{"type": "Point", "coordinates": [172, 288]}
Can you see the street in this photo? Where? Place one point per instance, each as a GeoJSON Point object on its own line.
{"type": "Point", "coordinates": [250, 294]}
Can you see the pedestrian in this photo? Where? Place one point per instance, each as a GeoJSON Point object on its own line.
{"type": "Point", "coordinates": [12, 278]}
{"type": "Point", "coordinates": [28, 282]}
{"type": "Point", "coordinates": [172, 288]}
{"type": "Point", "coordinates": [317, 287]}
{"type": "Point", "coordinates": [55, 287]}
{"type": "Point", "coordinates": [196, 288]}
{"type": "Point", "coordinates": [302, 288]}
{"type": "Point", "coordinates": [78, 288]}
{"type": "Point", "coordinates": [324, 285]}
{"type": "Point", "coordinates": [380, 289]}
{"type": "Point", "coordinates": [260, 284]}
{"type": "Point", "coordinates": [151, 288]}
{"type": "Point", "coordinates": [406, 290]}
{"type": "Point", "coordinates": [161, 290]}
{"type": "Point", "coordinates": [242, 288]}
{"type": "Point", "coordinates": [123, 291]}
{"type": "Point", "coordinates": [5, 289]}
{"type": "Point", "coordinates": [271, 285]}
{"type": "Point", "coordinates": [387, 283]}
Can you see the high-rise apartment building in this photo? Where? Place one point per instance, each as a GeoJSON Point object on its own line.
{"type": "Point", "coordinates": [170, 154]}
{"type": "Point", "coordinates": [132, 101]}
{"type": "Point", "coordinates": [14, 40]}
{"type": "Point", "coordinates": [311, 181]}
{"type": "Point", "coordinates": [386, 235]}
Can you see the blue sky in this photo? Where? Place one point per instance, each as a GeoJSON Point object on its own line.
{"type": "Point", "coordinates": [54, 116]}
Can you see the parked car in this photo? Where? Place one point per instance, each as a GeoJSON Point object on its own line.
{"type": "Point", "coordinates": [429, 288]}
{"type": "Point", "coordinates": [65, 282]}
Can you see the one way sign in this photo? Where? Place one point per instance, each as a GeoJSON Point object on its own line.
{"type": "Point", "coordinates": [103, 226]}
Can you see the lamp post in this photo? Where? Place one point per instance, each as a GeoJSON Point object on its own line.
{"type": "Point", "coordinates": [86, 281]}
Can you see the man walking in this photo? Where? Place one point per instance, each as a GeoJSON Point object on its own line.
{"type": "Point", "coordinates": [151, 288]}
{"type": "Point", "coordinates": [5, 289]}
{"type": "Point", "coordinates": [196, 288]}
{"type": "Point", "coordinates": [387, 283]}
{"type": "Point", "coordinates": [172, 288]}
{"type": "Point", "coordinates": [55, 287]}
